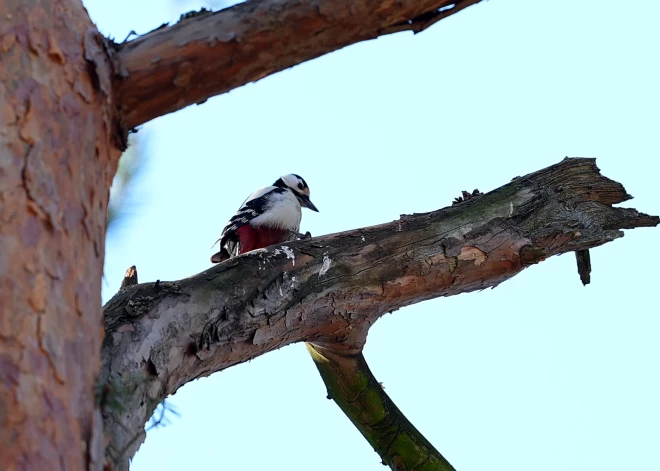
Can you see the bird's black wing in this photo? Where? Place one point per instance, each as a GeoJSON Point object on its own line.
{"type": "Point", "coordinates": [248, 211]}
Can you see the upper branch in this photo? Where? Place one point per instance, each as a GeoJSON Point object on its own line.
{"type": "Point", "coordinates": [206, 55]}
{"type": "Point", "coordinates": [329, 290]}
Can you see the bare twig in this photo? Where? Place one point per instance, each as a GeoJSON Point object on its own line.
{"type": "Point", "coordinates": [584, 266]}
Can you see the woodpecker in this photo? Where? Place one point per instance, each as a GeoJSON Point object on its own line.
{"type": "Point", "coordinates": [271, 215]}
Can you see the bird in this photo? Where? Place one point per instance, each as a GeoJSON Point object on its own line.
{"type": "Point", "coordinates": [271, 215]}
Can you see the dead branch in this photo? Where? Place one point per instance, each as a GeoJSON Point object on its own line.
{"type": "Point", "coordinates": [329, 290]}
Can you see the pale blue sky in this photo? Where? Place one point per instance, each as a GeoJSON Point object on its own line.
{"type": "Point", "coordinates": [539, 374]}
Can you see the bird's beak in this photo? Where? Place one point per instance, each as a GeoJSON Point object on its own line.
{"type": "Point", "coordinates": [306, 202]}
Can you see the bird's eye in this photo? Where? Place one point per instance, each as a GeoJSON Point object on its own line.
{"type": "Point", "coordinates": [300, 186]}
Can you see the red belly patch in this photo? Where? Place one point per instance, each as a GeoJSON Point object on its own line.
{"type": "Point", "coordinates": [252, 238]}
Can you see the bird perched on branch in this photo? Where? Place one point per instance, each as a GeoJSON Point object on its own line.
{"type": "Point", "coordinates": [271, 215]}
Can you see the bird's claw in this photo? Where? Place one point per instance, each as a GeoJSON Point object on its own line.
{"type": "Point", "coordinates": [306, 235]}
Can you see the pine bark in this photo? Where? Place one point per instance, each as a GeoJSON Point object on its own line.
{"type": "Point", "coordinates": [211, 53]}
{"type": "Point", "coordinates": [57, 160]}
{"type": "Point", "coordinates": [61, 134]}
{"type": "Point", "coordinates": [67, 98]}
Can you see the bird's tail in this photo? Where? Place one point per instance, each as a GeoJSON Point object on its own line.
{"type": "Point", "coordinates": [220, 256]}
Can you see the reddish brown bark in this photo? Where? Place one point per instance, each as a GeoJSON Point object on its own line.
{"type": "Point", "coordinates": [59, 148]}
{"type": "Point", "coordinates": [56, 165]}
{"type": "Point", "coordinates": [206, 55]}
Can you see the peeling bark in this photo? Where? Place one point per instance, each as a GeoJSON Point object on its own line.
{"type": "Point", "coordinates": [60, 140]}
{"type": "Point", "coordinates": [329, 290]}
{"type": "Point", "coordinates": [211, 53]}
{"type": "Point", "coordinates": [56, 165]}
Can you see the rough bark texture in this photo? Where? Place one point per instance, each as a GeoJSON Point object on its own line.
{"type": "Point", "coordinates": [202, 56]}
{"type": "Point", "coordinates": [329, 290]}
{"type": "Point", "coordinates": [354, 388]}
{"type": "Point", "coordinates": [56, 166]}
{"type": "Point", "coordinates": [60, 140]}
{"type": "Point", "coordinates": [59, 146]}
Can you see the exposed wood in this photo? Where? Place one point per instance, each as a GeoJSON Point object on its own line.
{"type": "Point", "coordinates": [130, 278]}
{"type": "Point", "coordinates": [354, 388]}
{"type": "Point", "coordinates": [211, 53]}
{"type": "Point", "coordinates": [60, 139]}
{"type": "Point", "coordinates": [329, 290]}
{"type": "Point", "coordinates": [57, 160]}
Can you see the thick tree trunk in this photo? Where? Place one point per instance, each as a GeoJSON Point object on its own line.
{"type": "Point", "coordinates": [56, 166]}
{"type": "Point", "coordinates": [60, 139]}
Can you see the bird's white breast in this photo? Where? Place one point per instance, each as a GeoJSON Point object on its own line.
{"type": "Point", "coordinates": [283, 211]}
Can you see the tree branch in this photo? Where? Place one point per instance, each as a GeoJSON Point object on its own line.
{"type": "Point", "coordinates": [352, 385]}
{"type": "Point", "coordinates": [329, 290]}
{"type": "Point", "coordinates": [211, 53]}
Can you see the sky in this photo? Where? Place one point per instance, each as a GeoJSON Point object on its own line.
{"type": "Point", "coordinates": [538, 374]}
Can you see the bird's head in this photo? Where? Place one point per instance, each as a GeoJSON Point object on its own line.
{"type": "Point", "coordinates": [299, 187]}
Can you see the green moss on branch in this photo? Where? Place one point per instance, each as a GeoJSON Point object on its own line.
{"type": "Point", "coordinates": [353, 387]}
